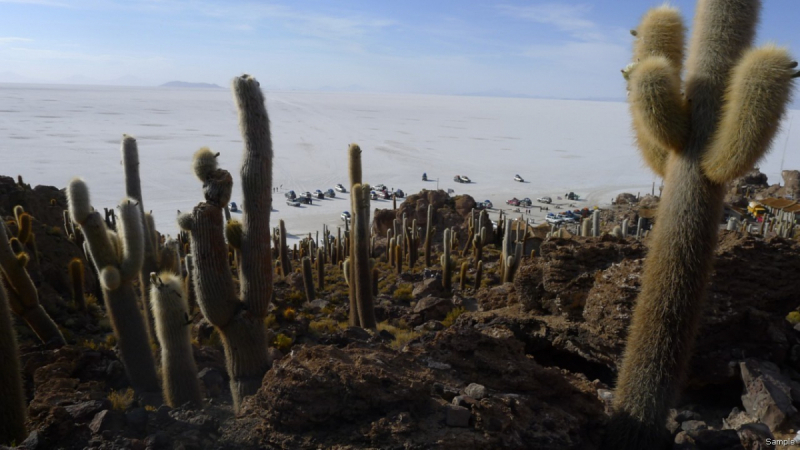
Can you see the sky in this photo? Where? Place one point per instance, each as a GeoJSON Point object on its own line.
{"type": "Point", "coordinates": [552, 49]}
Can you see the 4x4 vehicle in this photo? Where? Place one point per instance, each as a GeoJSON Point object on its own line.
{"type": "Point", "coordinates": [518, 178]}
{"type": "Point", "coordinates": [544, 200]}
{"type": "Point", "coordinates": [330, 193]}
{"type": "Point", "coordinates": [340, 188]}
{"type": "Point", "coordinates": [513, 202]}
{"type": "Point", "coordinates": [345, 216]}
{"type": "Point", "coordinates": [461, 179]}
{"type": "Point", "coordinates": [525, 202]}
{"type": "Point", "coordinates": [291, 195]}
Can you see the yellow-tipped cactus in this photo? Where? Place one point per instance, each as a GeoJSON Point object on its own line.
{"type": "Point", "coordinates": [13, 409]}
{"type": "Point", "coordinates": [733, 100]}
{"type": "Point", "coordinates": [118, 259]}
{"type": "Point", "coordinates": [173, 326]}
{"type": "Point", "coordinates": [238, 318]}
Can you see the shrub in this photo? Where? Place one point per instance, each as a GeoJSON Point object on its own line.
{"type": "Point", "coordinates": [121, 400]}
{"type": "Point", "coordinates": [403, 293]}
{"type": "Point", "coordinates": [452, 316]}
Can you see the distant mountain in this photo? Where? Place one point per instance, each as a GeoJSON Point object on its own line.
{"type": "Point", "coordinates": [184, 84]}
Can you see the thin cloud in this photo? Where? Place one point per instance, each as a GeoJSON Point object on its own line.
{"type": "Point", "coordinates": [563, 17]}
{"type": "Point", "coordinates": [8, 40]}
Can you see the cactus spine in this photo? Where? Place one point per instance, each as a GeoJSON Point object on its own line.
{"type": "Point", "coordinates": [118, 259]}
{"type": "Point", "coordinates": [239, 319]}
{"type": "Point", "coordinates": [13, 409]}
{"type": "Point", "coordinates": [23, 297]}
{"type": "Point", "coordinates": [734, 99]}
{"type": "Point", "coordinates": [173, 327]}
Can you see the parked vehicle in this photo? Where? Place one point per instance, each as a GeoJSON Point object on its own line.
{"type": "Point", "coordinates": [345, 216]}
{"type": "Point", "coordinates": [554, 219]}
{"type": "Point", "coordinates": [571, 196]}
{"type": "Point", "coordinates": [330, 193]}
{"type": "Point", "coordinates": [462, 179]}
{"type": "Point", "coordinates": [513, 202]}
{"type": "Point", "coordinates": [373, 195]}
{"type": "Point", "coordinates": [293, 203]}
{"type": "Point", "coordinates": [291, 195]}
{"type": "Point", "coordinates": [424, 176]}
{"type": "Point", "coordinates": [319, 194]}
{"type": "Point", "coordinates": [487, 204]}
{"type": "Point", "coordinates": [518, 178]}
{"type": "Point", "coordinates": [399, 194]}
{"type": "Point", "coordinates": [307, 194]}
{"type": "Point", "coordinates": [544, 200]}
{"type": "Point", "coordinates": [340, 188]}
{"type": "Point", "coordinates": [232, 207]}
{"type": "Point", "coordinates": [379, 187]}
{"type": "Point", "coordinates": [386, 195]}
{"type": "Point", "coordinates": [525, 202]}
{"type": "Point", "coordinates": [304, 200]}
{"type": "Point", "coordinates": [754, 208]}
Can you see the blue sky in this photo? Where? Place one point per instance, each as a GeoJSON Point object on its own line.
{"type": "Point", "coordinates": [567, 49]}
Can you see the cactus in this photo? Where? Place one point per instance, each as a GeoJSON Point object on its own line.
{"type": "Point", "coordinates": [239, 319]}
{"type": "Point", "coordinates": [617, 232]}
{"type": "Point", "coordinates": [308, 279]}
{"type": "Point", "coordinates": [283, 250]}
{"type": "Point", "coordinates": [188, 282]}
{"type": "Point", "coordinates": [398, 259]}
{"type": "Point", "coordinates": [173, 327]}
{"type": "Point", "coordinates": [25, 231]}
{"type": "Point", "coordinates": [625, 228]}
{"type": "Point", "coordinates": [360, 269]}
{"type": "Point", "coordinates": [478, 275]}
{"type": "Point", "coordinates": [429, 236]}
{"type": "Point", "coordinates": [734, 100]}
{"type": "Point", "coordinates": [76, 278]}
{"type": "Point", "coordinates": [354, 166]}
{"type": "Point", "coordinates": [596, 223]}
{"type": "Point", "coordinates": [463, 276]}
{"type": "Point", "coordinates": [22, 295]}
{"type": "Point", "coordinates": [447, 262]}
{"type": "Point", "coordinates": [118, 260]}
{"type": "Point", "coordinates": [320, 269]}
{"type": "Point", "coordinates": [13, 410]}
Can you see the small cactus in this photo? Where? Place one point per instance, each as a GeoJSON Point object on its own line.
{"type": "Point", "coordinates": [308, 279]}
{"type": "Point", "coordinates": [77, 278]}
{"type": "Point", "coordinates": [447, 262]}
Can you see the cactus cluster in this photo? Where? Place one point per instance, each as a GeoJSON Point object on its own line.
{"type": "Point", "coordinates": [698, 134]}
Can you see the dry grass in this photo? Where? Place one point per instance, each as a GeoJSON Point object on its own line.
{"type": "Point", "coordinates": [121, 400]}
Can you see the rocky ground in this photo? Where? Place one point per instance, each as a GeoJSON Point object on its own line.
{"type": "Point", "coordinates": [529, 364]}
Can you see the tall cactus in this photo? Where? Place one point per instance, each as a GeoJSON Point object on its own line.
{"type": "Point", "coordinates": [13, 409]}
{"type": "Point", "coordinates": [354, 166]}
{"type": "Point", "coordinates": [429, 236]}
{"type": "Point", "coordinates": [173, 326]}
{"type": "Point", "coordinates": [240, 320]}
{"type": "Point", "coordinates": [283, 251]}
{"type": "Point", "coordinates": [320, 269]}
{"type": "Point", "coordinates": [23, 296]}
{"type": "Point", "coordinates": [308, 279]}
{"type": "Point", "coordinates": [360, 269]}
{"type": "Point", "coordinates": [447, 262]}
{"type": "Point", "coordinates": [118, 259]}
{"type": "Point", "coordinates": [76, 278]}
{"type": "Point", "coordinates": [734, 100]}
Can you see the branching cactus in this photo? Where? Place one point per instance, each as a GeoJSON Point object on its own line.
{"type": "Point", "coordinates": [360, 269]}
{"type": "Point", "coordinates": [23, 297]}
{"type": "Point", "coordinates": [118, 259]}
{"type": "Point", "coordinates": [240, 320]}
{"type": "Point", "coordinates": [734, 100]}
{"type": "Point", "coordinates": [13, 409]}
{"type": "Point", "coordinates": [173, 326]}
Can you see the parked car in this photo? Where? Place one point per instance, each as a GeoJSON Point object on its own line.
{"type": "Point", "coordinates": [340, 188]}
{"type": "Point", "coordinates": [399, 194]}
{"type": "Point", "coordinates": [345, 216]}
{"type": "Point", "coordinates": [487, 204]}
{"type": "Point", "coordinates": [319, 194]}
{"type": "Point", "coordinates": [424, 176]}
{"type": "Point", "coordinates": [233, 208]}
{"type": "Point", "coordinates": [307, 194]}
{"type": "Point", "coordinates": [571, 196]}
{"type": "Point", "coordinates": [330, 193]}
{"type": "Point", "coordinates": [544, 200]}
{"type": "Point", "coordinates": [525, 202]}
{"type": "Point", "coordinates": [554, 219]}
{"type": "Point", "coordinates": [304, 200]}
{"type": "Point", "coordinates": [518, 178]}
{"type": "Point", "coordinates": [293, 203]}
{"type": "Point", "coordinates": [513, 202]}
{"type": "Point", "coordinates": [373, 195]}
{"type": "Point", "coordinates": [379, 187]}
{"type": "Point", "coordinates": [461, 179]}
{"type": "Point", "coordinates": [291, 195]}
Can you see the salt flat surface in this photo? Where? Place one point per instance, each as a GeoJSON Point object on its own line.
{"type": "Point", "coordinates": [50, 134]}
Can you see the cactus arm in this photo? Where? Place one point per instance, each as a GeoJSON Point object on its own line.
{"type": "Point", "coordinates": [133, 236]}
{"type": "Point", "coordinates": [214, 287]}
{"type": "Point", "coordinates": [13, 410]}
{"type": "Point", "coordinates": [25, 299]}
{"type": "Point", "coordinates": [92, 225]}
{"type": "Point", "coordinates": [755, 101]}
{"type": "Point", "coordinates": [354, 165]}
{"type": "Point", "coordinates": [656, 103]}
{"type": "Point", "coordinates": [661, 33]}
{"type": "Point", "coordinates": [256, 173]}
{"type": "Point", "coordinates": [723, 30]}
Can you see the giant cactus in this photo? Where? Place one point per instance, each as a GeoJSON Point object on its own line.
{"type": "Point", "coordinates": [239, 319]}
{"type": "Point", "coordinates": [12, 397]}
{"type": "Point", "coordinates": [118, 259]}
{"type": "Point", "coordinates": [173, 327]}
{"type": "Point", "coordinates": [360, 270]}
{"type": "Point", "coordinates": [734, 100]}
{"type": "Point", "coordinates": [354, 167]}
{"type": "Point", "coordinates": [23, 297]}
